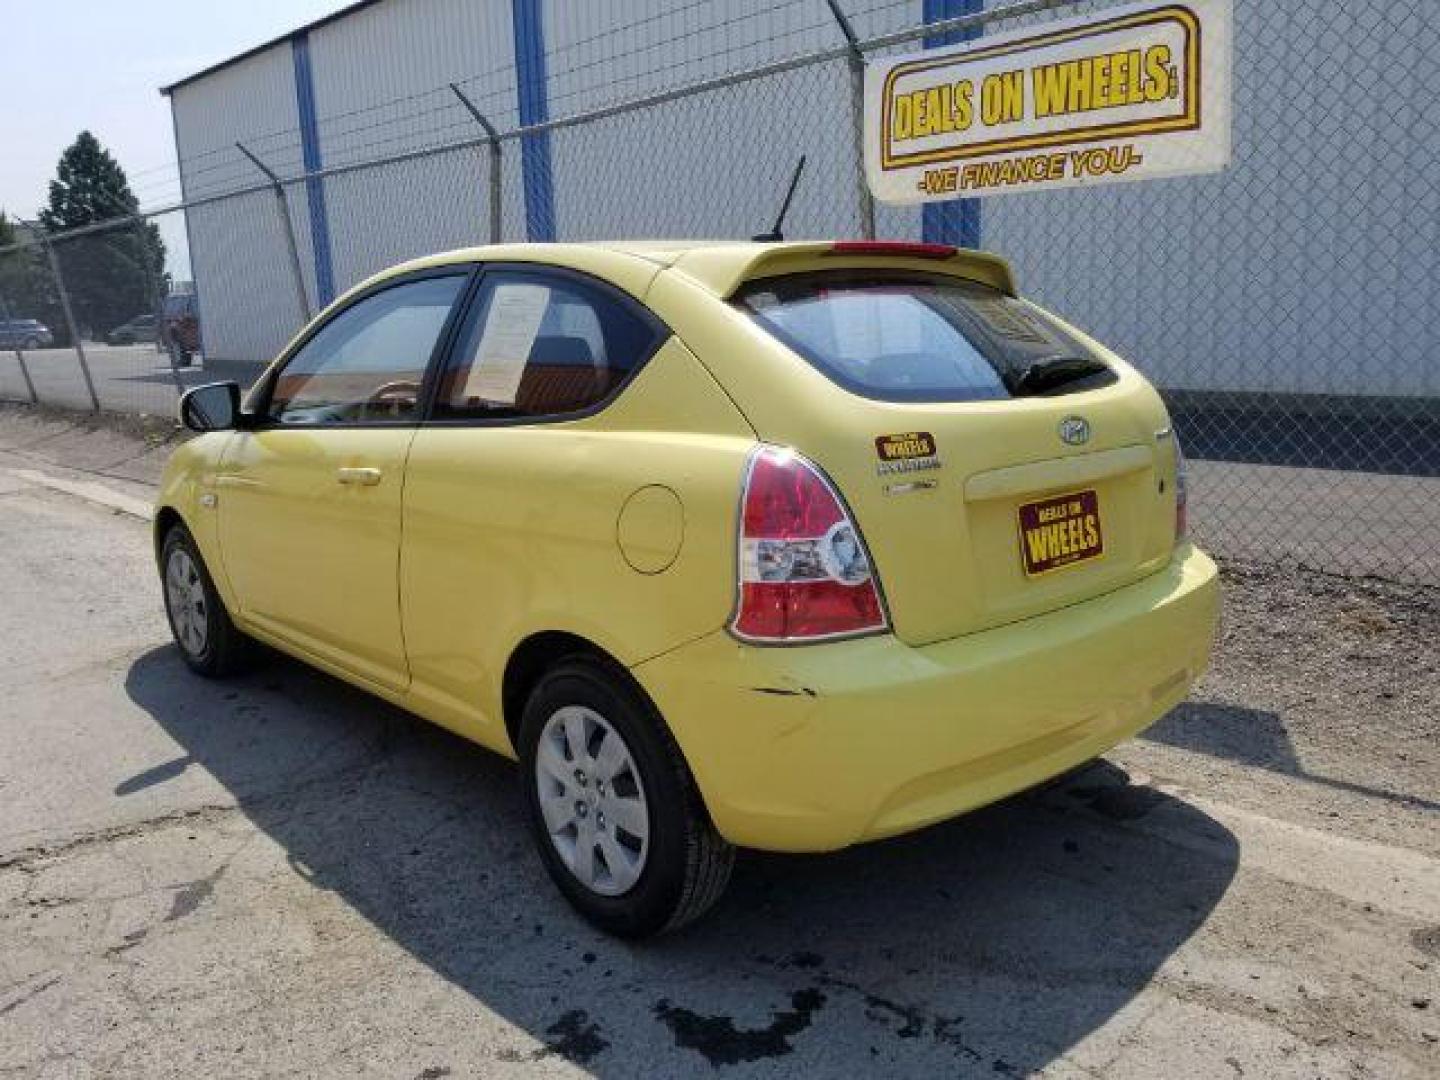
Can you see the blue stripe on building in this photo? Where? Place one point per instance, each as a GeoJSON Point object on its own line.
{"type": "Point", "coordinates": [956, 221]}
{"type": "Point", "coordinates": [534, 108]}
{"type": "Point", "coordinates": [314, 186]}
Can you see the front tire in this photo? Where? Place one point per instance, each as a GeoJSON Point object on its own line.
{"type": "Point", "coordinates": [31, 344]}
{"type": "Point", "coordinates": [208, 641]}
{"type": "Point", "coordinates": [616, 814]}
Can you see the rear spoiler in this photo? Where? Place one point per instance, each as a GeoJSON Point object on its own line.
{"type": "Point", "coordinates": [723, 268]}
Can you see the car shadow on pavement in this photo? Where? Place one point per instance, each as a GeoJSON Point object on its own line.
{"type": "Point", "coordinates": [992, 944]}
{"type": "Point", "coordinates": [1257, 738]}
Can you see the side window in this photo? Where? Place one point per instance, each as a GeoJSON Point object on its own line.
{"type": "Point", "coordinates": [367, 363]}
{"type": "Point", "coordinates": [536, 344]}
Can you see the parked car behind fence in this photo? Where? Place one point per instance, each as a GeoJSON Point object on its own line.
{"type": "Point", "coordinates": [25, 334]}
{"type": "Point", "coordinates": [140, 328]}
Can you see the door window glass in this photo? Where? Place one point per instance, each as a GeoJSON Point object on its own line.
{"type": "Point", "coordinates": [367, 363]}
{"type": "Point", "coordinates": [539, 345]}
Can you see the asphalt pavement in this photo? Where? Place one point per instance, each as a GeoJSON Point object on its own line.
{"type": "Point", "coordinates": [281, 875]}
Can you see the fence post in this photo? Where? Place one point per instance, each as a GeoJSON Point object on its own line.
{"type": "Point", "coordinates": [70, 319]}
{"type": "Point", "coordinates": [493, 140]}
{"type": "Point", "coordinates": [20, 356]}
{"type": "Point", "coordinates": [856, 62]}
{"type": "Point", "coordinates": [157, 303]}
{"type": "Point", "coordinates": [290, 242]}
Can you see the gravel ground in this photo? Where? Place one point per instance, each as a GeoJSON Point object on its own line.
{"type": "Point", "coordinates": [1324, 699]}
{"type": "Point", "coordinates": [17, 420]}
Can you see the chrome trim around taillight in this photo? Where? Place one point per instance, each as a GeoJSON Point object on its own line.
{"type": "Point", "coordinates": [730, 626]}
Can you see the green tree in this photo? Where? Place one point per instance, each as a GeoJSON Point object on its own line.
{"type": "Point", "coordinates": [111, 275]}
{"type": "Point", "coordinates": [26, 289]}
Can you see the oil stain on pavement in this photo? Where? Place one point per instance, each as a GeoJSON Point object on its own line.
{"type": "Point", "coordinates": [721, 1042]}
{"type": "Point", "coordinates": [573, 1037]}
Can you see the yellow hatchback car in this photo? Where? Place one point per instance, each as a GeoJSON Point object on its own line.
{"type": "Point", "coordinates": [780, 545]}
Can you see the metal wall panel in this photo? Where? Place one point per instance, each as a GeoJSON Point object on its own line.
{"type": "Point", "coordinates": [709, 166]}
{"type": "Point", "coordinates": [1310, 265]}
{"type": "Point", "coordinates": [380, 79]}
{"type": "Point", "coordinates": [237, 253]}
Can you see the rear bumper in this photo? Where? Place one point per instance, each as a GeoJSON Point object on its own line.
{"type": "Point", "coordinates": [818, 747]}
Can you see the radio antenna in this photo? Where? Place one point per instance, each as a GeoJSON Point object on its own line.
{"type": "Point", "coordinates": [775, 234]}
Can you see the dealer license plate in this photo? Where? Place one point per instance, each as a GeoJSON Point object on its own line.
{"type": "Point", "coordinates": [1060, 531]}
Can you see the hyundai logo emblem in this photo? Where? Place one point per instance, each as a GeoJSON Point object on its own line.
{"type": "Point", "coordinates": [1075, 430]}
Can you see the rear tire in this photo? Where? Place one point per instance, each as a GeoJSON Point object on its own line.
{"type": "Point", "coordinates": [208, 641]}
{"type": "Point", "coordinates": [665, 878]}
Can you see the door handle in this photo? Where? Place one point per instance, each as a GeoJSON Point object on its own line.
{"type": "Point", "coordinates": [365, 476]}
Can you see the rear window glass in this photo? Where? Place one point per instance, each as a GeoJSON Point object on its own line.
{"type": "Point", "coordinates": [905, 336]}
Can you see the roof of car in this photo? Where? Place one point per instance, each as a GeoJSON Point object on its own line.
{"type": "Point", "coordinates": [721, 266]}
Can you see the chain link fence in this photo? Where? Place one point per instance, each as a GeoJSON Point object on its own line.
{"type": "Point", "coordinates": [1287, 308]}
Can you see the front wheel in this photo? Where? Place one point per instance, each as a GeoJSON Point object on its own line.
{"type": "Point", "coordinates": [32, 343]}
{"type": "Point", "coordinates": [618, 819]}
{"type": "Point", "coordinates": [208, 641]}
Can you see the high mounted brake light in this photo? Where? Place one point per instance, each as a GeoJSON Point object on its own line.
{"type": "Point", "coordinates": [805, 574]}
{"type": "Point", "coordinates": [894, 248]}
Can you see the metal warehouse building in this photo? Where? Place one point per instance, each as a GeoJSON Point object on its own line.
{"type": "Point", "coordinates": [1308, 267]}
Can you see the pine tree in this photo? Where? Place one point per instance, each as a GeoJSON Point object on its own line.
{"type": "Point", "coordinates": [112, 275]}
{"type": "Point", "coordinates": [26, 289]}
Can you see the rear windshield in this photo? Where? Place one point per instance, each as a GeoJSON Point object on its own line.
{"type": "Point", "coordinates": [906, 336]}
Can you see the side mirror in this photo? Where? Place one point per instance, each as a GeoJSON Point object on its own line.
{"type": "Point", "coordinates": [212, 407]}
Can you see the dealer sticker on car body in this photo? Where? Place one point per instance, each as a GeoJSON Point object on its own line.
{"type": "Point", "coordinates": [1126, 93]}
{"type": "Point", "coordinates": [1060, 531]}
{"type": "Point", "coordinates": [907, 452]}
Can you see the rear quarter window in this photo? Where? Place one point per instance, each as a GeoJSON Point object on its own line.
{"type": "Point", "coordinates": [906, 336]}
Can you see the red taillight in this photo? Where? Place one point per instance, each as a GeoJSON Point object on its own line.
{"type": "Point", "coordinates": [901, 248]}
{"type": "Point", "coordinates": [1182, 492]}
{"type": "Point", "coordinates": [804, 570]}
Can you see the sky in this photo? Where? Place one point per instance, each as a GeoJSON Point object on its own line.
{"type": "Point", "coordinates": [98, 64]}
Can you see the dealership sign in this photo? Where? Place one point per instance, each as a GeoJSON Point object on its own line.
{"type": "Point", "coordinates": [1129, 93]}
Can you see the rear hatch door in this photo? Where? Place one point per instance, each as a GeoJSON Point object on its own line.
{"type": "Point", "coordinates": [999, 463]}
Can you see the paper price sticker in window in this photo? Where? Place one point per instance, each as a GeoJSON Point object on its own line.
{"type": "Point", "coordinates": [511, 325]}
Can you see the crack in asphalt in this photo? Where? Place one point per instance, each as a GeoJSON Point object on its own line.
{"type": "Point", "coordinates": [23, 858]}
{"type": "Point", "coordinates": [34, 992]}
